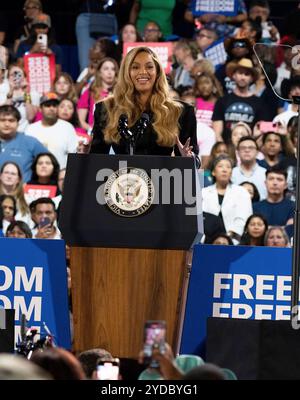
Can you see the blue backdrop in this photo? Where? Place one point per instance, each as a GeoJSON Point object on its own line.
{"type": "Point", "coordinates": [237, 282]}
{"type": "Point", "coordinates": [33, 281]}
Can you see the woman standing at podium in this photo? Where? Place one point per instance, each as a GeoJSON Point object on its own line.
{"type": "Point", "coordinates": [141, 108]}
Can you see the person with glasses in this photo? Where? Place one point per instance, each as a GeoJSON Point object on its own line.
{"type": "Point", "coordinates": [144, 11]}
{"type": "Point", "coordinates": [249, 170]}
{"type": "Point", "coordinates": [152, 32]}
{"type": "Point", "coordinates": [31, 8]}
{"type": "Point", "coordinates": [205, 37]}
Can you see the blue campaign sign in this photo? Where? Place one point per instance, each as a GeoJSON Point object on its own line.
{"type": "Point", "coordinates": [33, 281]}
{"type": "Point", "coordinates": [235, 282]}
{"type": "Point", "coordinates": [224, 7]}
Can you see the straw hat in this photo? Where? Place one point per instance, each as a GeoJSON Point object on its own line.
{"type": "Point", "coordinates": [242, 63]}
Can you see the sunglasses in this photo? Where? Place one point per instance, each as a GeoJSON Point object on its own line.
{"type": "Point", "coordinates": [238, 45]}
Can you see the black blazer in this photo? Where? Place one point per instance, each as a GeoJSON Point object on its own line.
{"type": "Point", "coordinates": [147, 143]}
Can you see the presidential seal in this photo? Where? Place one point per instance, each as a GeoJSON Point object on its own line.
{"type": "Point", "coordinates": [129, 192]}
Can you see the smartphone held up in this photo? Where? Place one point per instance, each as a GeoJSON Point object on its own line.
{"type": "Point", "coordinates": [108, 369]}
{"type": "Point", "coordinates": [154, 338]}
{"type": "Point", "coordinates": [42, 39]}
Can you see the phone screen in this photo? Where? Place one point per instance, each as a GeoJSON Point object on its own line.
{"type": "Point", "coordinates": [45, 221]}
{"type": "Point", "coordinates": [108, 370]}
{"type": "Point", "coordinates": [154, 337]}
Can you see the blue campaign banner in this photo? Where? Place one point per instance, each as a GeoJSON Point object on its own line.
{"type": "Point", "coordinates": [235, 282]}
{"type": "Point", "coordinates": [33, 281]}
{"type": "Point", "coordinates": [223, 7]}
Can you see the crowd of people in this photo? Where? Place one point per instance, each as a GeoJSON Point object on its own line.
{"type": "Point", "coordinates": [227, 116]}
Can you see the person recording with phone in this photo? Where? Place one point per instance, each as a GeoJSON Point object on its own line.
{"type": "Point", "coordinates": [141, 116]}
{"type": "Point", "coordinates": [43, 214]}
{"type": "Point", "coordinates": [18, 95]}
{"type": "Point", "coordinates": [41, 40]}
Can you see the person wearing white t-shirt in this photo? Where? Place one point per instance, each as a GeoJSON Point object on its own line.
{"type": "Point", "coordinates": [58, 136]}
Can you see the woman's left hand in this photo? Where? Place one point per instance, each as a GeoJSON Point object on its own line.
{"type": "Point", "coordinates": [185, 149]}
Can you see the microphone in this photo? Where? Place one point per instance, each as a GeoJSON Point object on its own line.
{"type": "Point", "coordinates": [125, 133]}
{"type": "Point", "coordinates": [142, 124]}
{"type": "Point", "coordinates": [123, 130]}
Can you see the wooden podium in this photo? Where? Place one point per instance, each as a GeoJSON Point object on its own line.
{"type": "Point", "coordinates": [124, 271]}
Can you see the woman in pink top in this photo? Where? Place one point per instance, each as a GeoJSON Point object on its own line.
{"type": "Point", "coordinates": [207, 90]}
{"type": "Point", "coordinates": [101, 87]}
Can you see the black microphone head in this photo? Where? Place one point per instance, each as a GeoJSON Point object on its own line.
{"type": "Point", "coordinates": [145, 116]}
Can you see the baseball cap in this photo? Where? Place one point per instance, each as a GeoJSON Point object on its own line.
{"type": "Point", "coordinates": [42, 19]}
{"type": "Point", "coordinates": [50, 96]}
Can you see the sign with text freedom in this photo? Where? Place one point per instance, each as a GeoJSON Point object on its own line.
{"type": "Point", "coordinates": [33, 281]}
{"type": "Point", "coordinates": [235, 282]}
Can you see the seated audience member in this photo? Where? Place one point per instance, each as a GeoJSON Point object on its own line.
{"type": "Point", "coordinates": [259, 10]}
{"type": "Point", "coordinates": [241, 104]}
{"type": "Point", "coordinates": [207, 90]}
{"type": "Point", "coordinates": [289, 88]}
{"type": "Point", "coordinates": [45, 170]}
{"type": "Point", "coordinates": [59, 363]}
{"type": "Point", "coordinates": [249, 170]}
{"type": "Point", "coordinates": [67, 111]}
{"type": "Point", "coordinates": [8, 210]}
{"type": "Point", "coordinates": [284, 69]}
{"type": "Point", "coordinates": [239, 130]}
{"type": "Point", "coordinates": [89, 358]}
{"type": "Point", "coordinates": [222, 239]}
{"type": "Point", "coordinates": [274, 149]}
{"type": "Point", "coordinates": [18, 230]}
{"type": "Point", "coordinates": [18, 95]}
{"type": "Point", "coordinates": [249, 29]}
{"type": "Point", "coordinates": [231, 202]}
{"type": "Point", "coordinates": [219, 148]}
{"type": "Point", "coordinates": [43, 214]}
{"type": "Point", "coordinates": [57, 135]}
{"type": "Point", "coordinates": [205, 37]}
{"type": "Point", "coordinates": [236, 49]}
{"type": "Point", "coordinates": [41, 25]}
{"type": "Point", "coordinates": [276, 208]}
{"type": "Point", "coordinates": [128, 34]}
{"type": "Point", "coordinates": [11, 183]}
{"type": "Point", "coordinates": [254, 231]}
{"type": "Point", "coordinates": [105, 79]}
{"type": "Point", "coordinates": [4, 85]}
{"type": "Point", "coordinates": [102, 48]}
{"type": "Point", "coordinates": [252, 190]}
{"type": "Point", "coordinates": [182, 77]}
{"type": "Point", "coordinates": [32, 8]}
{"type": "Point", "coordinates": [64, 87]}
{"type": "Point", "coordinates": [17, 368]}
{"type": "Point", "coordinates": [14, 145]}
{"type": "Point", "coordinates": [143, 12]}
{"type": "Point", "coordinates": [152, 32]}
{"type": "Point", "coordinates": [276, 236]}
{"type": "Point", "coordinates": [202, 66]}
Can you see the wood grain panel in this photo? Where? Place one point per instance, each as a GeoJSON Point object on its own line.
{"type": "Point", "coordinates": [114, 291]}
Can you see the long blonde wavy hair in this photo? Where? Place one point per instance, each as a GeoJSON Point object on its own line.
{"type": "Point", "coordinates": [165, 111]}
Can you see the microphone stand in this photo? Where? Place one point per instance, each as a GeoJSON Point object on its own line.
{"type": "Point", "coordinates": [296, 237]}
